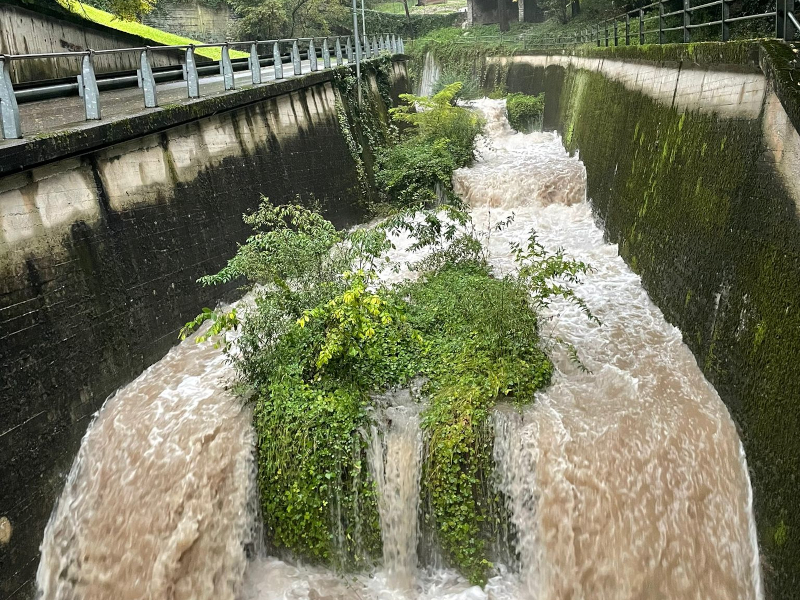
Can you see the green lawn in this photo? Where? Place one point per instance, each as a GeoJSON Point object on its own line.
{"type": "Point", "coordinates": [151, 33]}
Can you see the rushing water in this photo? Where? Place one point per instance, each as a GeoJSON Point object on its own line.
{"type": "Point", "coordinates": [624, 482]}
{"type": "Point", "coordinates": [396, 464]}
{"type": "Point", "coordinates": [160, 499]}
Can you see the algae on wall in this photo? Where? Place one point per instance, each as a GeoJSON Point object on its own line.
{"type": "Point", "coordinates": [706, 221]}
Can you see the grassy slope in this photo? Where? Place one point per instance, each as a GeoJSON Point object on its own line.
{"type": "Point", "coordinates": [151, 33]}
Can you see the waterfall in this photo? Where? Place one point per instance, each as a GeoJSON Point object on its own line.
{"type": "Point", "coordinates": [396, 462]}
{"type": "Point", "coordinates": [625, 480]}
{"type": "Point", "coordinates": [431, 72]}
{"type": "Point", "coordinates": [160, 501]}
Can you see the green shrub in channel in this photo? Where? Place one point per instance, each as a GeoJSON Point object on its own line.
{"type": "Point", "coordinates": [438, 137]}
{"type": "Point", "coordinates": [322, 335]}
{"type": "Point", "coordinates": [525, 112]}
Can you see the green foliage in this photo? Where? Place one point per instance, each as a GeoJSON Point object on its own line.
{"type": "Point", "coordinates": [274, 19]}
{"type": "Point", "coordinates": [438, 138]}
{"type": "Point", "coordinates": [359, 329]}
{"type": "Point", "coordinates": [469, 84]}
{"type": "Point", "coordinates": [321, 335]}
{"type": "Point", "coordinates": [525, 112]}
{"type": "Point", "coordinates": [414, 170]}
{"type": "Point", "coordinates": [127, 10]}
{"type": "Point", "coordinates": [122, 22]}
{"type": "Point", "coordinates": [317, 498]}
{"type": "Point", "coordinates": [220, 323]}
{"type": "Point", "coordinates": [408, 28]}
{"type": "Point", "coordinates": [439, 118]}
{"type": "Point", "coordinates": [484, 342]}
{"type": "Point", "coordinates": [363, 121]}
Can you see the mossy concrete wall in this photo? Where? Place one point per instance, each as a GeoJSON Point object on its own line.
{"type": "Point", "coordinates": [99, 257]}
{"type": "Point", "coordinates": [193, 19]}
{"type": "Point", "coordinates": [693, 167]}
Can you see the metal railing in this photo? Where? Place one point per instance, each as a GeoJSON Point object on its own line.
{"type": "Point", "coordinates": [655, 23]}
{"type": "Point", "coordinates": [316, 50]}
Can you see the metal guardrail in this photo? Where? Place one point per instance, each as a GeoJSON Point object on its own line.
{"type": "Point", "coordinates": [652, 24]}
{"type": "Point", "coordinates": [329, 49]}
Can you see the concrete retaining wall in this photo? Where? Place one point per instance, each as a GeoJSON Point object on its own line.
{"type": "Point", "coordinates": [694, 170]}
{"type": "Point", "coordinates": [24, 31]}
{"type": "Point", "coordinates": [99, 255]}
{"type": "Point", "coordinates": [193, 19]}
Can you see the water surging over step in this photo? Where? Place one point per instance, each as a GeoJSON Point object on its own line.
{"type": "Point", "coordinates": [160, 501]}
{"type": "Point", "coordinates": [396, 464]}
{"type": "Point", "coordinates": [628, 481]}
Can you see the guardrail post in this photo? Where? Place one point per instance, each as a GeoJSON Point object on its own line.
{"type": "Point", "coordinates": [687, 20]}
{"type": "Point", "coordinates": [338, 52]}
{"type": "Point", "coordinates": [381, 45]}
{"type": "Point", "coordinates": [597, 34]}
{"type": "Point", "coordinates": [661, 22]}
{"type": "Point", "coordinates": [147, 80]}
{"type": "Point", "coordinates": [9, 111]}
{"type": "Point", "coordinates": [227, 68]}
{"type": "Point", "coordinates": [726, 13]}
{"type": "Point", "coordinates": [394, 44]}
{"type": "Point", "coordinates": [298, 66]}
{"type": "Point", "coordinates": [192, 80]}
{"type": "Point", "coordinates": [784, 28]}
{"type": "Point", "coordinates": [401, 46]}
{"type": "Point", "coordinates": [312, 55]}
{"type": "Point", "coordinates": [91, 95]}
{"type": "Point", "coordinates": [375, 47]}
{"type": "Point", "coordinates": [277, 60]}
{"type": "Point", "coordinates": [349, 50]}
{"type": "Point", "coordinates": [606, 26]}
{"type": "Point", "coordinates": [616, 33]}
{"type": "Point", "coordinates": [627, 29]}
{"type": "Point", "coordinates": [255, 64]}
{"type": "Point", "coordinates": [641, 27]}
{"type": "Point", "coordinates": [326, 54]}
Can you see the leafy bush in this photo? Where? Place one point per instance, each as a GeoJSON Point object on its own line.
{"type": "Point", "coordinates": [439, 138]}
{"type": "Point", "coordinates": [525, 112]}
{"type": "Point", "coordinates": [322, 336]}
{"type": "Point", "coordinates": [414, 170]}
{"type": "Point", "coordinates": [470, 90]}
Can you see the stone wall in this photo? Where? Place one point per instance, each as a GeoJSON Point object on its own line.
{"type": "Point", "coordinates": [23, 31]}
{"type": "Point", "coordinates": [99, 257]}
{"type": "Point", "coordinates": [484, 12]}
{"type": "Point", "coordinates": [694, 170]}
{"type": "Point", "coordinates": [193, 19]}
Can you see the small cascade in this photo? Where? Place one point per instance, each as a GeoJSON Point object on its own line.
{"type": "Point", "coordinates": [161, 499]}
{"type": "Point", "coordinates": [431, 72]}
{"type": "Point", "coordinates": [626, 478]}
{"type": "Point", "coordinates": [396, 464]}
